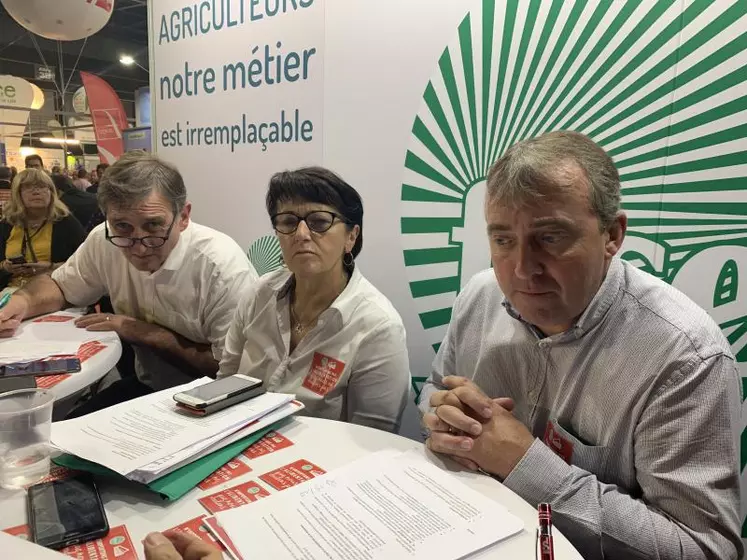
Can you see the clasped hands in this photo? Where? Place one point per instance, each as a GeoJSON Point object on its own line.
{"type": "Point", "coordinates": [475, 430]}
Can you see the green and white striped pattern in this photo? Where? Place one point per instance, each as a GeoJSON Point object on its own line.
{"type": "Point", "coordinates": [661, 85]}
{"type": "Point", "coordinates": [265, 254]}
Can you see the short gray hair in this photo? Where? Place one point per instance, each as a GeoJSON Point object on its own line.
{"type": "Point", "coordinates": [537, 167]}
{"type": "Point", "coordinates": [137, 174]}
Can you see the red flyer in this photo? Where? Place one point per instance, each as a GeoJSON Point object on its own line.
{"type": "Point", "coordinates": [233, 497]}
{"type": "Point", "coordinates": [195, 528]}
{"type": "Point", "coordinates": [215, 528]}
{"type": "Point", "coordinates": [49, 381]}
{"type": "Point", "coordinates": [90, 349]}
{"type": "Point", "coordinates": [54, 319]}
{"type": "Point", "coordinates": [56, 472]}
{"type": "Point", "coordinates": [291, 475]}
{"type": "Point", "coordinates": [21, 531]}
{"type": "Point", "coordinates": [324, 374]}
{"type": "Point", "coordinates": [229, 471]}
{"type": "Point", "coordinates": [117, 545]}
{"type": "Point", "coordinates": [271, 442]}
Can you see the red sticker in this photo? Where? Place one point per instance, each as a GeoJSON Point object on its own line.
{"type": "Point", "coordinates": [225, 540]}
{"type": "Point", "coordinates": [234, 497]}
{"type": "Point", "coordinates": [90, 349]}
{"type": "Point", "coordinates": [49, 381]}
{"type": "Point", "coordinates": [562, 446]}
{"type": "Point", "coordinates": [194, 527]}
{"type": "Point", "coordinates": [116, 545]}
{"type": "Point", "coordinates": [271, 442]}
{"type": "Point", "coordinates": [291, 475]}
{"type": "Point", "coordinates": [54, 319]}
{"type": "Point", "coordinates": [324, 374]}
{"type": "Point", "coordinates": [232, 469]}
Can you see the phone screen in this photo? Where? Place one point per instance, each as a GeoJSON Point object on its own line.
{"type": "Point", "coordinates": [63, 512]}
{"type": "Point", "coordinates": [225, 386]}
{"type": "Point", "coordinates": [46, 367]}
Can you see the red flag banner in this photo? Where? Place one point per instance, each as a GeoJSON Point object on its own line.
{"type": "Point", "coordinates": [109, 119]}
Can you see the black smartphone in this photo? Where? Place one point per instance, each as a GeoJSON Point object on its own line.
{"type": "Point", "coordinates": [66, 512]}
{"type": "Point", "coordinates": [20, 259]}
{"type": "Point", "coordinates": [54, 366]}
{"type": "Point", "coordinates": [232, 389]}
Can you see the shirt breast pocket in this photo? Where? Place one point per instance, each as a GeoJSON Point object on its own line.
{"type": "Point", "coordinates": [591, 458]}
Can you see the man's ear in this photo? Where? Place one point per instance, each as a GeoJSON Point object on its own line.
{"type": "Point", "coordinates": [616, 232]}
{"type": "Point", "coordinates": [184, 216]}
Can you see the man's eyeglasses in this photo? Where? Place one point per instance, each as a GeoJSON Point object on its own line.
{"type": "Point", "coordinates": [318, 221]}
{"type": "Point", "coordinates": [149, 241]}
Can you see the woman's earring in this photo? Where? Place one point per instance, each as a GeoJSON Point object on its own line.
{"type": "Point", "coordinates": [347, 259]}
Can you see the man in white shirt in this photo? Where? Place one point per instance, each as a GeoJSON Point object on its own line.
{"type": "Point", "coordinates": [174, 284]}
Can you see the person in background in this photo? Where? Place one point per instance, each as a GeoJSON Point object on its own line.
{"type": "Point", "coordinates": [100, 169]}
{"type": "Point", "coordinates": [5, 178]}
{"type": "Point", "coordinates": [81, 182]}
{"type": "Point", "coordinates": [55, 169]}
{"type": "Point", "coordinates": [318, 328]}
{"type": "Point", "coordinates": [37, 232]}
{"type": "Point", "coordinates": [34, 161]}
{"type": "Point", "coordinates": [13, 172]}
{"type": "Point", "coordinates": [82, 204]}
{"type": "Point", "coordinates": [174, 284]}
{"type": "Point", "coordinates": [579, 380]}
{"type": "Point", "coordinates": [179, 546]}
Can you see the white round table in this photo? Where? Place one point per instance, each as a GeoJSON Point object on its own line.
{"type": "Point", "coordinates": [45, 330]}
{"type": "Point", "coordinates": [325, 443]}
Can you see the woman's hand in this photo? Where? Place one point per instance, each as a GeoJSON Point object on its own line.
{"type": "Point", "coordinates": [26, 269]}
{"type": "Point", "coordinates": [178, 546]}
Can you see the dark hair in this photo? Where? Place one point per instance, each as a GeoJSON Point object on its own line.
{"type": "Point", "coordinates": [56, 169]}
{"type": "Point", "coordinates": [62, 182]}
{"type": "Point", "coordinates": [320, 185]}
{"type": "Point", "coordinates": [100, 168]}
{"type": "Point", "coordinates": [5, 173]}
{"type": "Point", "coordinates": [32, 157]}
{"type": "Point", "coordinates": [82, 173]}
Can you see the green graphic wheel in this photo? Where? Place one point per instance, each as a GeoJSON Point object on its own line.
{"type": "Point", "coordinates": [264, 254]}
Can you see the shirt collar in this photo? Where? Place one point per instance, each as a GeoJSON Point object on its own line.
{"type": "Point", "coordinates": [341, 304]}
{"type": "Point", "coordinates": [594, 312]}
{"type": "Point", "coordinates": [175, 260]}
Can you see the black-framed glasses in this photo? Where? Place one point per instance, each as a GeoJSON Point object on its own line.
{"type": "Point", "coordinates": [149, 241]}
{"type": "Point", "coordinates": [318, 221]}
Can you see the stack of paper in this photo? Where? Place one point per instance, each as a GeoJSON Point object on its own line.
{"type": "Point", "coordinates": [147, 438]}
{"type": "Point", "coordinates": [387, 505]}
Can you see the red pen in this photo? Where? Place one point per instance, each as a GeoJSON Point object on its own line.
{"type": "Point", "coordinates": [544, 512]}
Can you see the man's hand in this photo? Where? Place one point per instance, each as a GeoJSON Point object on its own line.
{"type": "Point", "coordinates": [502, 443]}
{"type": "Point", "coordinates": [178, 546]}
{"type": "Point", "coordinates": [102, 322]}
{"type": "Point", "coordinates": [12, 314]}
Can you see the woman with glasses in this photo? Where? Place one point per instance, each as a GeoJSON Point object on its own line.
{"type": "Point", "coordinates": [37, 232]}
{"type": "Point", "coordinates": [317, 327]}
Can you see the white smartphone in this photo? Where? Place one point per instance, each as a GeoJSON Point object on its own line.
{"type": "Point", "coordinates": [210, 394]}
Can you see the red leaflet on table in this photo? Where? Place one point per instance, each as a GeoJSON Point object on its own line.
{"type": "Point", "coordinates": [229, 471]}
{"type": "Point", "coordinates": [54, 319]}
{"type": "Point", "coordinates": [233, 497]}
{"type": "Point", "coordinates": [49, 381]}
{"type": "Point", "coordinates": [194, 527]}
{"type": "Point", "coordinates": [117, 545]}
{"type": "Point", "coordinates": [271, 442]}
{"type": "Point", "coordinates": [56, 472]}
{"type": "Point", "coordinates": [225, 540]}
{"type": "Point", "coordinates": [293, 474]}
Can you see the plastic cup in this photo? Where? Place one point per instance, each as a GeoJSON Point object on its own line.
{"type": "Point", "coordinates": [25, 424]}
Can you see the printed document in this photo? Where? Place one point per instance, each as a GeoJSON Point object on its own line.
{"type": "Point", "coordinates": [387, 505]}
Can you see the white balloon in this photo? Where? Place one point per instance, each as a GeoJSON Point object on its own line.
{"type": "Point", "coordinates": [63, 20]}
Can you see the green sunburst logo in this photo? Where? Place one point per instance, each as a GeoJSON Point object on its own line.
{"type": "Point", "coordinates": [662, 86]}
{"type": "Point", "coordinates": [265, 255]}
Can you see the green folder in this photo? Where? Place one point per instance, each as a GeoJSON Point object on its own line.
{"type": "Point", "coordinates": [175, 484]}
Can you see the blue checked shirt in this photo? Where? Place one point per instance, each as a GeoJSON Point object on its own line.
{"type": "Point", "coordinates": [642, 396]}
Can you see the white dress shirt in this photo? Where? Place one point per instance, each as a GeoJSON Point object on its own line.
{"type": "Point", "coordinates": [352, 366]}
{"type": "Point", "coordinates": [194, 293]}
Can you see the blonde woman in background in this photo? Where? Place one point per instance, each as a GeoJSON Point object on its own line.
{"type": "Point", "coordinates": [37, 231]}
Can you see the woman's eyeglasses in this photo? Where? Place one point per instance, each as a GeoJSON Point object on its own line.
{"type": "Point", "coordinates": [29, 188]}
{"type": "Point", "coordinates": [318, 221]}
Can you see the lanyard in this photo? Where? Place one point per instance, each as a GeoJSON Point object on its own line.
{"type": "Point", "coordinates": [27, 241]}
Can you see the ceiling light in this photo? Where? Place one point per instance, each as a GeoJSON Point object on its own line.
{"type": "Point", "coordinates": [127, 60]}
{"type": "Point", "coordinates": [59, 141]}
